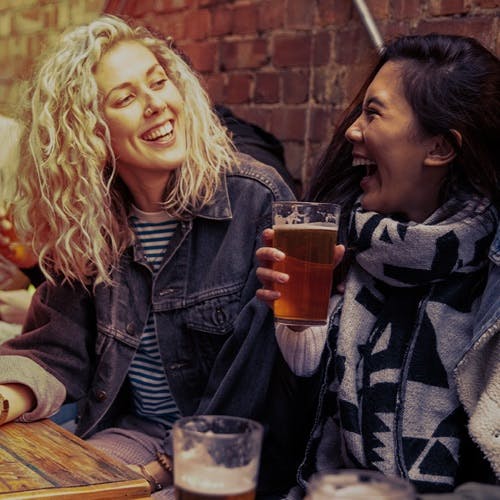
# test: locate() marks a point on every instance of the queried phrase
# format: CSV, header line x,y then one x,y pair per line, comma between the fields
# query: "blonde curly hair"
x,y
71,203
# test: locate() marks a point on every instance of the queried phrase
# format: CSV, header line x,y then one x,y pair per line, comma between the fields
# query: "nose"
x,y
153,104
354,133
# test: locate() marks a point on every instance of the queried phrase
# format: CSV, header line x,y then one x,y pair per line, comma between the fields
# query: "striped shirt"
x,y
151,393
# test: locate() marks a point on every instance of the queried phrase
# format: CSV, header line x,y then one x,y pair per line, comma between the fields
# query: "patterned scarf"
x,y
391,402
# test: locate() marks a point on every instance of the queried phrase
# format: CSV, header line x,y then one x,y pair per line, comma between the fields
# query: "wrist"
x,y
158,473
154,484
4,409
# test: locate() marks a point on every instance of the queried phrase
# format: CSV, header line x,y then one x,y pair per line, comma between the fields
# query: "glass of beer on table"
x,y
306,232
216,457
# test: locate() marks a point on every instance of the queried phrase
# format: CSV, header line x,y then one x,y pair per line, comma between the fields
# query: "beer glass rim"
x,y
308,203
404,485
252,425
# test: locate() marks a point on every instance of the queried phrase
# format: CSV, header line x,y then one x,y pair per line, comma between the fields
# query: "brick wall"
x,y
26,26
289,65
293,65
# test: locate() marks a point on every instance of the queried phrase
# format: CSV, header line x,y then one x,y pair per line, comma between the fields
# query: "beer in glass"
x,y
216,458
307,234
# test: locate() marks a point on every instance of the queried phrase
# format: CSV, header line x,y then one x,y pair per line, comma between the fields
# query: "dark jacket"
x,y
78,344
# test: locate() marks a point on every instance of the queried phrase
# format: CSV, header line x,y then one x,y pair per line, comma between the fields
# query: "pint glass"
x,y
306,233
216,458
351,484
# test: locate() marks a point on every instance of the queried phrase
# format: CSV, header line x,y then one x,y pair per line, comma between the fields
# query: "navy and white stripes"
x,y
151,392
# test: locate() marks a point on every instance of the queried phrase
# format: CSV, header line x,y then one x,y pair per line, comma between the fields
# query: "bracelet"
x,y
153,483
165,461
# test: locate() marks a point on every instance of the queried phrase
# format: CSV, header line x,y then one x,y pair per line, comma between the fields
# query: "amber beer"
x,y
309,252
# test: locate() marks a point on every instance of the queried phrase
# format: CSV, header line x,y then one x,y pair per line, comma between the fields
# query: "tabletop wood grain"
x,y
43,460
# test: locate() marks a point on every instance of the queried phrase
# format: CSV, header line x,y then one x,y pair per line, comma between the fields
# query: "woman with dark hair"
x,y
415,166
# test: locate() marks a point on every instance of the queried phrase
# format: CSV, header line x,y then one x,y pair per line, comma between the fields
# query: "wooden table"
x,y
43,460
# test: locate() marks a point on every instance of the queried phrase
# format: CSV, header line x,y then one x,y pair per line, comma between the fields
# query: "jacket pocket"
x,y
216,315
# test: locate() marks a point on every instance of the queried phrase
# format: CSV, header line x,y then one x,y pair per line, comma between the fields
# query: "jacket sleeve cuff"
x,y
49,392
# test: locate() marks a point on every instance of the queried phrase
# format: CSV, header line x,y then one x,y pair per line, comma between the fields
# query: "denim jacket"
x,y
78,343
478,372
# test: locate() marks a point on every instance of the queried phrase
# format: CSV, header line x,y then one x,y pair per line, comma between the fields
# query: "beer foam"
x,y
324,226
344,488
215,480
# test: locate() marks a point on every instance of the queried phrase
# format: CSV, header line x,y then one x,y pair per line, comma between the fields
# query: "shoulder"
x,y
250,171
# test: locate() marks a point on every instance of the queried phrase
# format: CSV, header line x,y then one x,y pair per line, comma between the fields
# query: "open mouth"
x,y
162,132
370,166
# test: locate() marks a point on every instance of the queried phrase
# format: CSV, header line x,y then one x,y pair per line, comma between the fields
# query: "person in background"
x,y
15,285
415,166
146,221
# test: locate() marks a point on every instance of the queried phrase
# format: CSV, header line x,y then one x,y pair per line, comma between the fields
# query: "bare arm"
x,y
21,399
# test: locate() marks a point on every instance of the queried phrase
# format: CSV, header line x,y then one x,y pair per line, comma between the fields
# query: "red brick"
x,y
243,54
238,89
404,9
222,21
173,25
334,12
299,14
351,44
137,9
214,85
353,79
207,3
487,4
198,24
321,124
292,50
379,9
295,87
289,123
259,116
271,14
202,55
167,6
245,19
481,28
448,7
111,7
322,48
395,29
267,88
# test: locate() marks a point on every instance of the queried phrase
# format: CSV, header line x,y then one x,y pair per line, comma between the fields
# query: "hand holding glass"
x,y
307,233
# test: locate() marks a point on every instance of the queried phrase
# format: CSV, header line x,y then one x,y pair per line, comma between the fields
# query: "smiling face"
x,y
143,110
388,143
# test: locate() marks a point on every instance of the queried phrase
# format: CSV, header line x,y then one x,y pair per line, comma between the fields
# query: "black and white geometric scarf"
x,y
390,401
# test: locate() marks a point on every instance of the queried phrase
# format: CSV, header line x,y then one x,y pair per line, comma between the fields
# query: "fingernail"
x,y
278,255
283,278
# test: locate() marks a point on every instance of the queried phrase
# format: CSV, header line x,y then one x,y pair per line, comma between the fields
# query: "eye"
x,y
370,112
159,83
124,100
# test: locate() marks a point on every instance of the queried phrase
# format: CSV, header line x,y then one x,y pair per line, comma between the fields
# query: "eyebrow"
x,y
124,85
375,100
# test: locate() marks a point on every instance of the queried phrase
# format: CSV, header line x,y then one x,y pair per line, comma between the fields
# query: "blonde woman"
x,y
146,222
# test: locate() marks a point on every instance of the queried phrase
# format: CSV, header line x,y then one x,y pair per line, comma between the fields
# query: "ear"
x,y
441,152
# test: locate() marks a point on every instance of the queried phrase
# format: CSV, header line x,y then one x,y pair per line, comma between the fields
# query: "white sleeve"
x,y
302,350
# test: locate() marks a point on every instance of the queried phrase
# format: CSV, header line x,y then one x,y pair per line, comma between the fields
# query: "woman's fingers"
x,y
338,254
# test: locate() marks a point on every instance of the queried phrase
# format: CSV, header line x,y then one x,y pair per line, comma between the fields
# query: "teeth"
x,y
158,132
356,162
